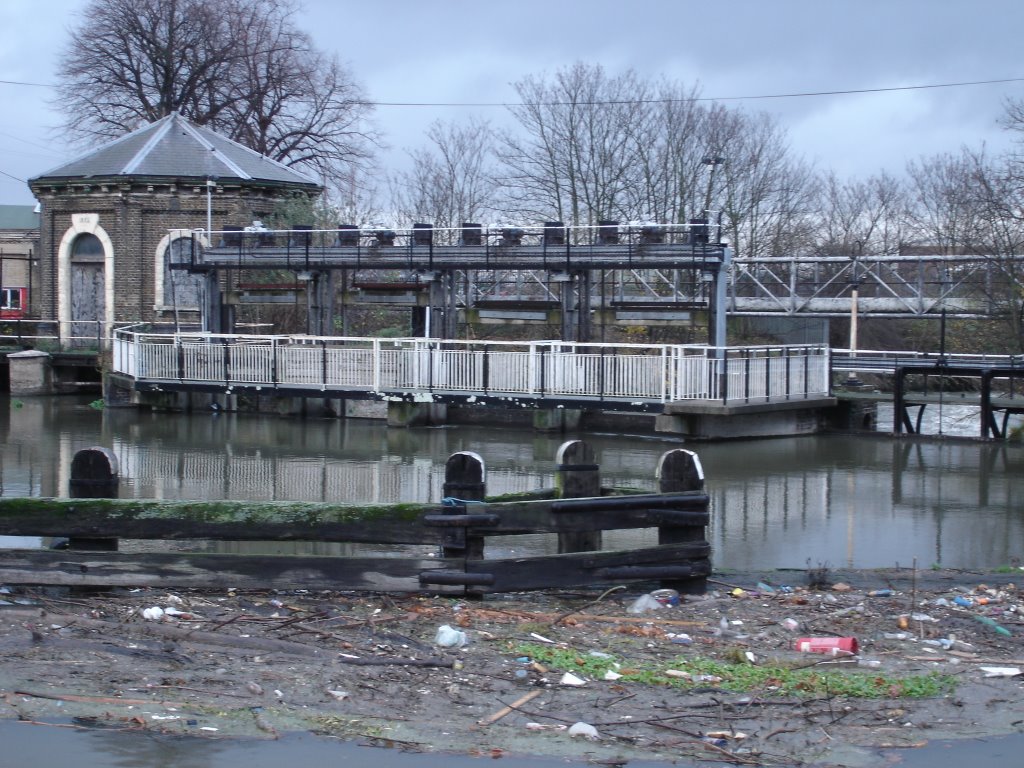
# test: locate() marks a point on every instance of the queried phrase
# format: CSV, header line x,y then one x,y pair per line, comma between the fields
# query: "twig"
x,y
178,633
732,756
510,708
726,584
98,699
375,661
78,727
674,729
202,691
913,587
221,624
600,597
298,620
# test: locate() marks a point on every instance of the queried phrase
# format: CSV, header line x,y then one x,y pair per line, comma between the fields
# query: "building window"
x,y
12,299
182,289
87,247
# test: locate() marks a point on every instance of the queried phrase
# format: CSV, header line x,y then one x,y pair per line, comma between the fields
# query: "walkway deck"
x,y
536,374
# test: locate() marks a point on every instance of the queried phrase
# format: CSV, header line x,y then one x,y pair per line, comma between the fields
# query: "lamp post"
x,y
712,161
210,184
855,281
944,288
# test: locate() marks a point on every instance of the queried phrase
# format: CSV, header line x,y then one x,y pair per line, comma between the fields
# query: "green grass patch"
x,y
1008,569
745,677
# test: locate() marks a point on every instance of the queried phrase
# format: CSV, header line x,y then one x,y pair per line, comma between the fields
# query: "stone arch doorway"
x,y
85,276
178,292
88,288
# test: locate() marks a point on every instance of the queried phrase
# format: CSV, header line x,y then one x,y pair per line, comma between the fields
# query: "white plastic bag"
x,y
644,604
447,637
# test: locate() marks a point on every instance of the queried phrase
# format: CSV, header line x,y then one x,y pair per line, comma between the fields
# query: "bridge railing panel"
x,y
157,361
508,371
350,367
252,364
649,373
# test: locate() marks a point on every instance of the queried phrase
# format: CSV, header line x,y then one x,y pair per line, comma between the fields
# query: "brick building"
x,y
19,242
108,221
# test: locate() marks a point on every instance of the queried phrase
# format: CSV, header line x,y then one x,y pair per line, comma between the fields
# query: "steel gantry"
x,y
609,273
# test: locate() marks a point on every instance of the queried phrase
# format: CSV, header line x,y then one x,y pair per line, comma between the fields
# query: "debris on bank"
x,y
757,670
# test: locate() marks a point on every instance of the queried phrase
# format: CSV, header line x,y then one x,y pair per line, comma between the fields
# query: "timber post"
x,y
578,476
465,480
94,475
680,470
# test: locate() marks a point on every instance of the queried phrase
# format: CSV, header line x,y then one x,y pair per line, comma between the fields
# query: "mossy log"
x,y
299,521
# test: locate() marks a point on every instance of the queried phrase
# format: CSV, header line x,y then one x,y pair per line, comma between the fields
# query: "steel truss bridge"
x,y
885,286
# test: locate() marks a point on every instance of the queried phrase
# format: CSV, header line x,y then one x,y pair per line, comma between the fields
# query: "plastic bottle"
x,y
835,646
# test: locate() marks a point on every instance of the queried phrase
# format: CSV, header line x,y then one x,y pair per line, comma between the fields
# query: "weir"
x,y
577,510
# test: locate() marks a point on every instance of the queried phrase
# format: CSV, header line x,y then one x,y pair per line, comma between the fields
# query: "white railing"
x,y
887,361
634,373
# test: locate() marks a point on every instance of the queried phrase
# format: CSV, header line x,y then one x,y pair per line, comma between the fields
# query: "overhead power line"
x,y
794,95
9,176
748,97
20,82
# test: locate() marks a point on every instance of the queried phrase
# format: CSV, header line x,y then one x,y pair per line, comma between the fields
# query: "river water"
x,y
838,500
843,501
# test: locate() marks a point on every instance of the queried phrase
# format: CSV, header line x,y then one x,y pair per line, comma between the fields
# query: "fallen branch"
x,y
380,661
179,633
99,699
510,708
548,618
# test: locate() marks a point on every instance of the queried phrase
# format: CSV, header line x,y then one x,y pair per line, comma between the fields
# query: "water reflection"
x,y
837,500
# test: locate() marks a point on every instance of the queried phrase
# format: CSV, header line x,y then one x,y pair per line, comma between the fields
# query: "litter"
x,y
834,646
999,628
447,637
1000,671
644,604
586,730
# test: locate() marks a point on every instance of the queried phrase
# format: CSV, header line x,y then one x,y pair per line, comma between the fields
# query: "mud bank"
x,y
716,678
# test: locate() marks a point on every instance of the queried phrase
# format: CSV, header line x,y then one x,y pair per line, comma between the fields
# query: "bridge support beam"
x,y
712,421
556,420
403,414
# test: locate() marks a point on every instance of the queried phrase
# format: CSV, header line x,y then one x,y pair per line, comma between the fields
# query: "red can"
x,y
834,646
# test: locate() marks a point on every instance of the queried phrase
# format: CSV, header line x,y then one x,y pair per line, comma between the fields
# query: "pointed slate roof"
x,y
174,147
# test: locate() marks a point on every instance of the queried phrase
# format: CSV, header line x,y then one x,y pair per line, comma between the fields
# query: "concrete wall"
x,y
30,373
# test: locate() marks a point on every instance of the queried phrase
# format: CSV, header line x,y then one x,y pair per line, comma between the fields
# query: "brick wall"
x,y
137,216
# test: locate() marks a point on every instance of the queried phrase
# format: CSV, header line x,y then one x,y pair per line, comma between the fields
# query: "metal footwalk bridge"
x,y
537,374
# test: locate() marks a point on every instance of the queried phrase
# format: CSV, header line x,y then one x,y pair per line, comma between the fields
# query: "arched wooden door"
x,y
88,288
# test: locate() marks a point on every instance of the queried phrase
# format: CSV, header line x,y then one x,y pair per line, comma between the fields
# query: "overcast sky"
x,y
457,51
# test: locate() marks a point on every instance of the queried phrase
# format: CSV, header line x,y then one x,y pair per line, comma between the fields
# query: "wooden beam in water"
x,y
216,571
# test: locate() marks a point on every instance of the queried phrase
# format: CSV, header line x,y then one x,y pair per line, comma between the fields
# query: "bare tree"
x,y
451,180
999,192
944,206
572,157
764,195
668,147
861,216
238,66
